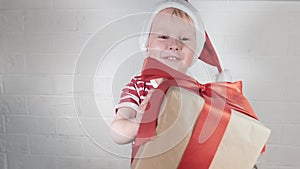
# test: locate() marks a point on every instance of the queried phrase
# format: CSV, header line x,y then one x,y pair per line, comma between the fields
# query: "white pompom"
x,y
224,76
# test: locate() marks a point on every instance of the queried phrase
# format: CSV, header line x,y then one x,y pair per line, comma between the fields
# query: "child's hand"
x,y
143,106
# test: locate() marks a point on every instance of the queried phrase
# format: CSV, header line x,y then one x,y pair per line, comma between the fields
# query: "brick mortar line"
x,y
1,85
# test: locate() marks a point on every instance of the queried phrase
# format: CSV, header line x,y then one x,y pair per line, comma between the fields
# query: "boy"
x,y
175,39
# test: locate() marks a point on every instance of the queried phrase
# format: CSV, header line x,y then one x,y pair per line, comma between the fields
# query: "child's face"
x,y
172,40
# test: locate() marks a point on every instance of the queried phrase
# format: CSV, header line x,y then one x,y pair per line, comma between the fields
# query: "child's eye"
x,y
163,37
184,39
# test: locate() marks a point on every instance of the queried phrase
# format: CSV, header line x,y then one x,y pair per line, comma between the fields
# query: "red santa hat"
x,y
204,48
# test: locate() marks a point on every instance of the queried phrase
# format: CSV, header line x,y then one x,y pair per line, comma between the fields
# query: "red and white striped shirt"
x,y
135,92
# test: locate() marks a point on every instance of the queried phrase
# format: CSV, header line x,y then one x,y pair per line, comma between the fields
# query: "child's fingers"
x,y
145,102
147,98
144,105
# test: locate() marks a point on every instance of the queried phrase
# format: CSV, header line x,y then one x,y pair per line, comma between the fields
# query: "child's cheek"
x,y
160,44
190,46
189,56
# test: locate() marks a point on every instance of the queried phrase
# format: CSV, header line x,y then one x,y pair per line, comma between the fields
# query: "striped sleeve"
x,y
134,93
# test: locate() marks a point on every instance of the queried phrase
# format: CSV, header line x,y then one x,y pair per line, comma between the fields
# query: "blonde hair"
x,y
180,13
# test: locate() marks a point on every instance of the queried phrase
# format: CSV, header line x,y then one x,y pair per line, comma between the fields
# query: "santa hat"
x,y
204,48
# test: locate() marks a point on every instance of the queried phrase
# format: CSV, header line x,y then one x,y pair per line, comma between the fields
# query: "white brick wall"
x,y
29,125
14,143
40,41
51,106
79,163
55,145
2,125
37,84
13,105
3,160
50,63
57,21
12,21
29,161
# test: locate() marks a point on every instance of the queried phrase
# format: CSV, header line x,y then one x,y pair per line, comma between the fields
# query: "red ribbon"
x,y
220,98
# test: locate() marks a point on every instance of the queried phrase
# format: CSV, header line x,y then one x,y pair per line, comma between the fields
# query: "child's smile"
x,y
171,56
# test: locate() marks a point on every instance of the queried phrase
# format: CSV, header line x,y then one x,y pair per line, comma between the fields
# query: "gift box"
x,y
180,112
193,125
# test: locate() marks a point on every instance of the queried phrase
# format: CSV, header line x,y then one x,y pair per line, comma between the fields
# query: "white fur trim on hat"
x,y
224,76
184,6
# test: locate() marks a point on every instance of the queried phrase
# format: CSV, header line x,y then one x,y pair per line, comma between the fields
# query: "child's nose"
x,y
174,44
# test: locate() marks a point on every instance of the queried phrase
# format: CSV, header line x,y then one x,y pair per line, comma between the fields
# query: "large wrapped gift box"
x,y
239,148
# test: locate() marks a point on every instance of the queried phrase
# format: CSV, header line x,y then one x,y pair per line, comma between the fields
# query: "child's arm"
x,y
124,126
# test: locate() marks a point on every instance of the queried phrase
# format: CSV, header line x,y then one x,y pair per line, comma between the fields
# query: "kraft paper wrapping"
x,y
178,114
240,146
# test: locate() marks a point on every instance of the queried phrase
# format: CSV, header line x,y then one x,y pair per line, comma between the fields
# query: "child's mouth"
x,y
171,58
